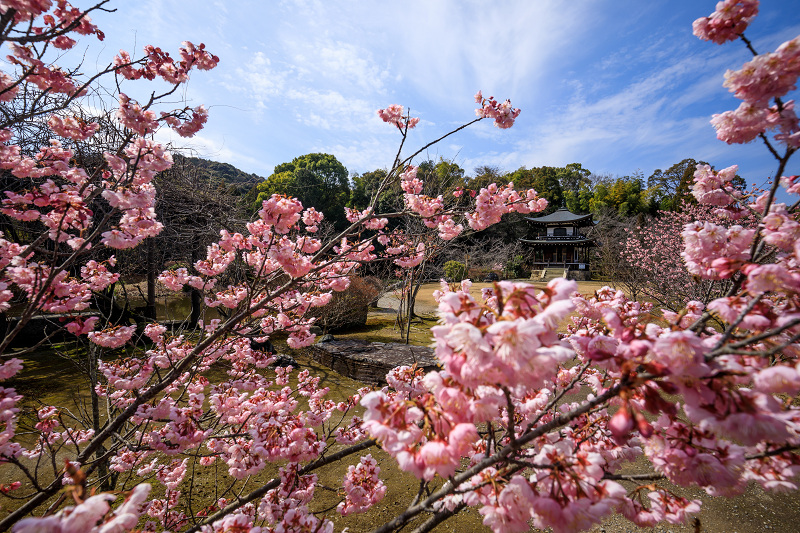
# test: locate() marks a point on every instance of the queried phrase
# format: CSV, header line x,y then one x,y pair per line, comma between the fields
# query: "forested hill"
x,y
226,172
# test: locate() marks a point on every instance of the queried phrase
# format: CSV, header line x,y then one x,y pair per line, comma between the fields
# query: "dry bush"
x,y
349,308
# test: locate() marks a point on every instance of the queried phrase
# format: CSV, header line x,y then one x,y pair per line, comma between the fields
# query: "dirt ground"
x,y
754,511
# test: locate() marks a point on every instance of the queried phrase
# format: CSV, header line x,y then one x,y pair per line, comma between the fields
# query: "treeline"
x,y
322,181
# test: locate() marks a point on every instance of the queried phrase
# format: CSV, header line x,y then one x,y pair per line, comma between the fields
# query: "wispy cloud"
x,y
616,85
258,80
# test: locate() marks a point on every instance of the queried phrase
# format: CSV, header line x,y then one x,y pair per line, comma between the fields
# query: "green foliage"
x,y
671,188
455,271
485,175
626,196
573,178
515,268
441,177
545,180
580,202
366,185
317,180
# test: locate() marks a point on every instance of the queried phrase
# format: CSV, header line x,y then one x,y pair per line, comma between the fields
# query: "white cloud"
x,y
615,85
330,110
362,155
258,80
339,63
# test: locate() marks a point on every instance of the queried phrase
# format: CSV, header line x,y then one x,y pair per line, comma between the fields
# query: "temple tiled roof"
x,y
563,216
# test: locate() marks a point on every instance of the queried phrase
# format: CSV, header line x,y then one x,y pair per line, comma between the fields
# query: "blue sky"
x,y
617,85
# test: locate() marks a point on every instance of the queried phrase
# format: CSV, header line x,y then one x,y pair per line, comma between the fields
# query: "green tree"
x,y
318,180
580,201
440,177
599,199
366,185
573,177
672,187
544,180
484,175
455,271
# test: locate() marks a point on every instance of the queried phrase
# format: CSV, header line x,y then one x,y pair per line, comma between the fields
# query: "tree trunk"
x,y
108,481
195,295
150,305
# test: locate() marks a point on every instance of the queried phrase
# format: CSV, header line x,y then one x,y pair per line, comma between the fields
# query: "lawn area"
x,y
381,322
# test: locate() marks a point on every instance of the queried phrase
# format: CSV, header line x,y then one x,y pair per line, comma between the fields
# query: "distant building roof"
x,y
563,216
559,241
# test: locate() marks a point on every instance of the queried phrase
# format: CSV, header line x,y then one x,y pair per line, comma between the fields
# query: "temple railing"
x,y
557,238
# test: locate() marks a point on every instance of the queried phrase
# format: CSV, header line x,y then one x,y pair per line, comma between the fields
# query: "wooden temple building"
x,y
557,244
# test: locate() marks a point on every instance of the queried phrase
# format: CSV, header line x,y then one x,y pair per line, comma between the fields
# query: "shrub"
x,y
478,273
455,271
515,268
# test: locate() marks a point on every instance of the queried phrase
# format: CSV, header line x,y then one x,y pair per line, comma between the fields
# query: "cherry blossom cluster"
x,y
287,506
729,21
132,116
370,222
544,399
503,114
654,253
39,74
491,203
8,411
158,63
494,201
363,488
394,115
711,250
94,515
709,452
72,127
190,126
765,78
51,207
503,364
738,430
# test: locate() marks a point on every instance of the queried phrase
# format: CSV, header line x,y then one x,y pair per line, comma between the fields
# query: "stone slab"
x,y
370,361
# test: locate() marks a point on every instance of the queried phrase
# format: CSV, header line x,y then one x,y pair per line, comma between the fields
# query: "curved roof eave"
x,y
562,216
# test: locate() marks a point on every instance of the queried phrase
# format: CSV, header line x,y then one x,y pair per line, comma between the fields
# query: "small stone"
x,y
285,360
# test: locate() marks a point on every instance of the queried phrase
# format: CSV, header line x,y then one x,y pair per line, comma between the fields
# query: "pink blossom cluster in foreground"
x,y
765,78
729,21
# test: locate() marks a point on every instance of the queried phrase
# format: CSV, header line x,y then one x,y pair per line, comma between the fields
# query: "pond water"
x,y
176,307
56,377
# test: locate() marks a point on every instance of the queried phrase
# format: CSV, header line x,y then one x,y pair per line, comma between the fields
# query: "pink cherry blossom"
x,y
112,338
503,114
729,20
